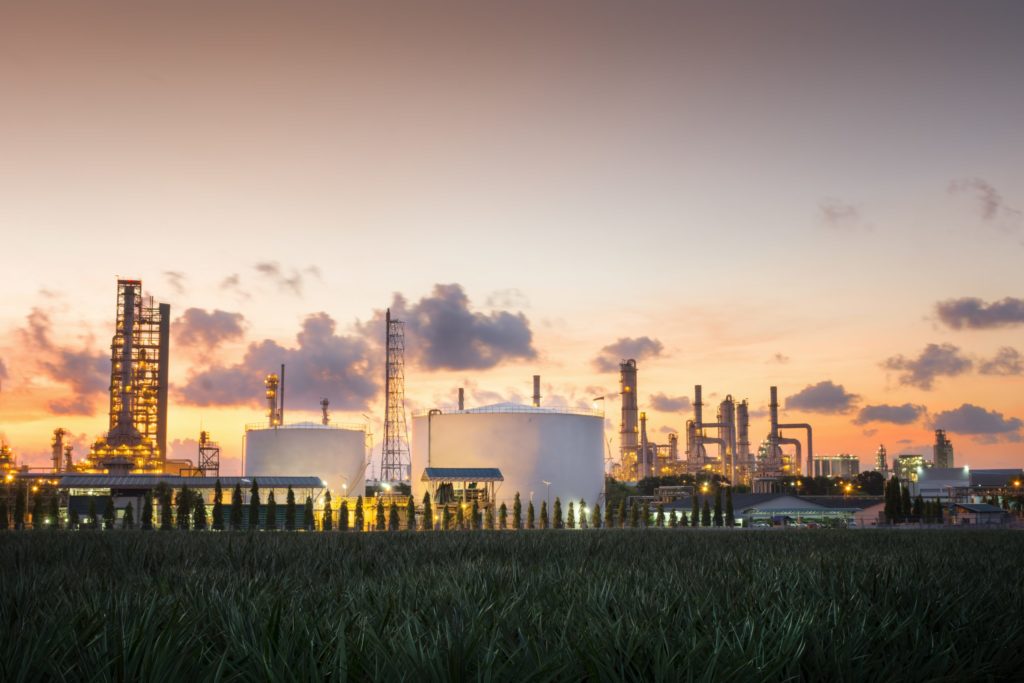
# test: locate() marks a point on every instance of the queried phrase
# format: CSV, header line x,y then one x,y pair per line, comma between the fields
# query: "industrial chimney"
x,y
536,391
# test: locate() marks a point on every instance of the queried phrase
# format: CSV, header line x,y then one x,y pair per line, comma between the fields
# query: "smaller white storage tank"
x,y
337,454
529,444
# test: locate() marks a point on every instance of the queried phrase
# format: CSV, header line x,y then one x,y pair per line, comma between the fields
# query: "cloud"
x,y
321,364
507,298
443,332
823,397
908,413
835,213
637,348
183,449
780,358
176,280
990,202
975,314
870,432
670,404
291,282
207,329
87,373
1008,361
935,360
976,421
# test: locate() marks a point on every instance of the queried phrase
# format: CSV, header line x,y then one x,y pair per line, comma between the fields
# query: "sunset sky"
x,y
823,196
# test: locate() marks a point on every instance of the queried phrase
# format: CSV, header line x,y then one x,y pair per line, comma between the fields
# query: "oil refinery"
x,y
486,455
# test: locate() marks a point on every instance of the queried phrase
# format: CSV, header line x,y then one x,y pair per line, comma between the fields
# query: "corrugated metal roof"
x,y
979,507
462,474
148,481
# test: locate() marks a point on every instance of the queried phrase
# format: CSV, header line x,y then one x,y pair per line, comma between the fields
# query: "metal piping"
x,y
794,442
536,391
280,397
810,442
646,465
775,439
124,417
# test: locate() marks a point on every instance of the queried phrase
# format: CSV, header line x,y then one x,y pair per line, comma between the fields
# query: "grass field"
x,y
530,606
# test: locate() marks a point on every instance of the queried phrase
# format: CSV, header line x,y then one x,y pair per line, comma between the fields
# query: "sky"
x,y
826,197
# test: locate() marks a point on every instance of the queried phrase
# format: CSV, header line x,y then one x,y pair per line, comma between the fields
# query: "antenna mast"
x,y
394,465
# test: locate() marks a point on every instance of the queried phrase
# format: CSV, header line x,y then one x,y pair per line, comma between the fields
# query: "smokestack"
x,y
698,406
536,391
774,411
280,396
326,419
462,399
628,429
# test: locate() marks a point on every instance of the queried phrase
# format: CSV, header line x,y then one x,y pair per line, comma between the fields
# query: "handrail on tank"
x,y
352,426
491,410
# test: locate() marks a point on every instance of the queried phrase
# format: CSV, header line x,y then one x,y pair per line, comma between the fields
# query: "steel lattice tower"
x,y
394,463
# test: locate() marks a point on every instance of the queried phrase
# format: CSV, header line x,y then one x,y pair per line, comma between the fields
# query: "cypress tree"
x,y
289,510
147,512
659,518
460,517
645,514
343,515
72,518
90,512
503,517
557,514
254,506
128,521
307,514
634,516
489,518
271,522
695,510
622,513
529,515
184,507
393,524
446,518
199,516
55,510
730,514
609,516
673,521
595,520
428,513
5,522
584,521
705,515
358,517
718,521
166,510
905,505
218,507
410,514
37,512
570,518
517,513
543,514
682,519
328,521
20,504
381,522
474,512
236,507
918,507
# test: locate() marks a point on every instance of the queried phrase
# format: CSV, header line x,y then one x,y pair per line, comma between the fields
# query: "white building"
x,y
336,454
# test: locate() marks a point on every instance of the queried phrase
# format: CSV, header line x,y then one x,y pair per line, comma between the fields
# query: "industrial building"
x,y
841,466
539,452
942,451
964,484
909,466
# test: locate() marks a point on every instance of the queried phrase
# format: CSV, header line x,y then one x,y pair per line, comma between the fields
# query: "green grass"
x,y
608,605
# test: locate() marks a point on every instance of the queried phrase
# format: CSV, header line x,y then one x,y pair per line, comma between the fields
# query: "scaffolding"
x,y
138,383
394,465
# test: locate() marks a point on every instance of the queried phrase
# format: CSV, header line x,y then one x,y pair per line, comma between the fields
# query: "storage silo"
x,y
529,444
337,454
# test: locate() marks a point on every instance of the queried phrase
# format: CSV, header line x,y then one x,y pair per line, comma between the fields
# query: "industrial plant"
x,y
489,457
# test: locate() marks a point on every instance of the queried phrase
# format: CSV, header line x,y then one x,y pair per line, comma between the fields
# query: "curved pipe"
x,y
795,442
810,443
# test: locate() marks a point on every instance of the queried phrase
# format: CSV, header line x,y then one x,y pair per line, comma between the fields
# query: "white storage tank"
x,y
336,454
530,445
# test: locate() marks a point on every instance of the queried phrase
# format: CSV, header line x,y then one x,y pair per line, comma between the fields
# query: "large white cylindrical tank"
x,y
335,454
529,445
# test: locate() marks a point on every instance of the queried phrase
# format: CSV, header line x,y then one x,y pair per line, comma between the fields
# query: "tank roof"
x,y
255,426
510,407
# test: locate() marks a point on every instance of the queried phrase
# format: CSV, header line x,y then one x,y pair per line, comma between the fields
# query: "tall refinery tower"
x,y
394,465
138,383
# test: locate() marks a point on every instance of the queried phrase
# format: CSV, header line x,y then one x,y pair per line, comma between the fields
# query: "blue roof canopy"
x,y
462,474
